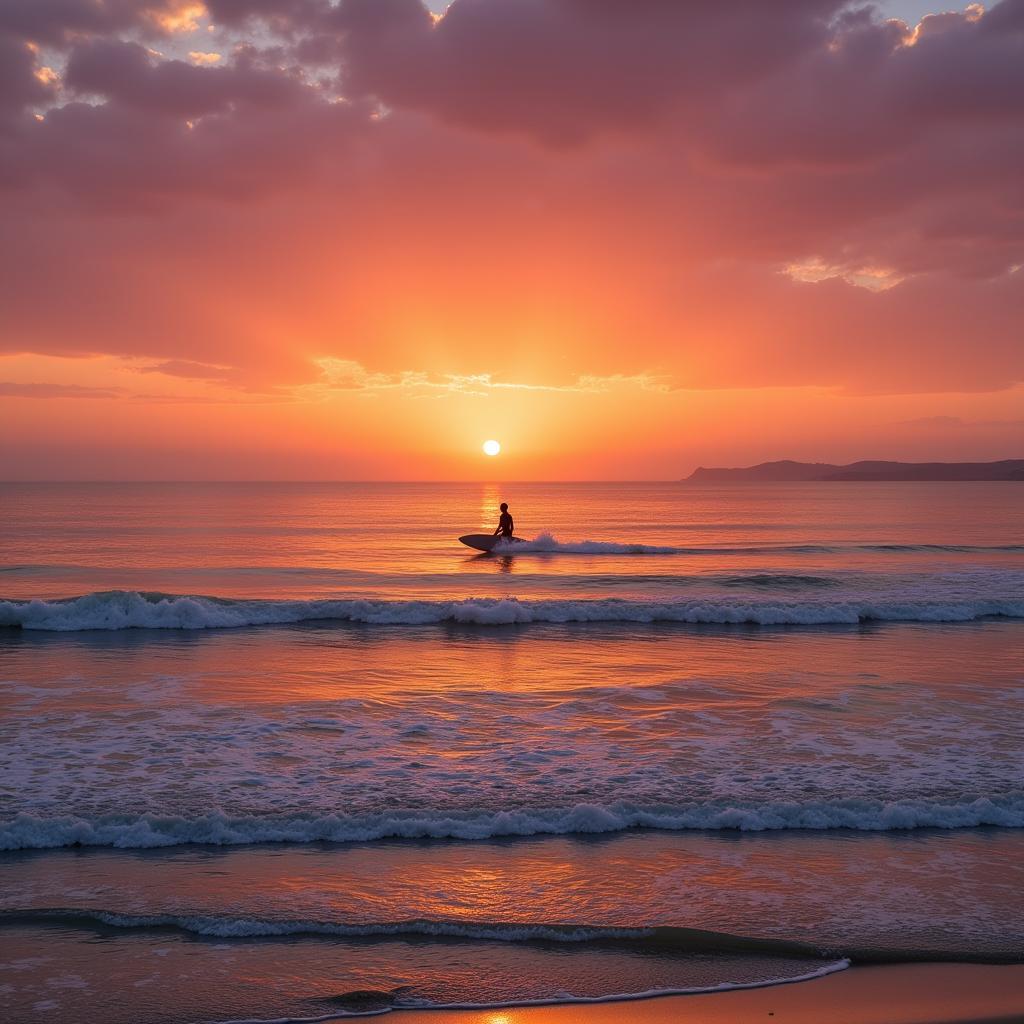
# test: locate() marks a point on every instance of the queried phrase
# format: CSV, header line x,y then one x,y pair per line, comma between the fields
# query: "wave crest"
x,y
27,832
112,610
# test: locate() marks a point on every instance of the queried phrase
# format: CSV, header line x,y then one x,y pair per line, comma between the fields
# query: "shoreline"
x,y
919,993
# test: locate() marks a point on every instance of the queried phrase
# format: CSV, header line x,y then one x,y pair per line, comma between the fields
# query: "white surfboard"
x,y
484,541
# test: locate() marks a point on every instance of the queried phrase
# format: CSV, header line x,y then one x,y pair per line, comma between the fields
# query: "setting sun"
x,y
491,448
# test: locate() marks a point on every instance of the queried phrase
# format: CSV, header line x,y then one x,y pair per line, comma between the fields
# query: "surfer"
x,y
505,523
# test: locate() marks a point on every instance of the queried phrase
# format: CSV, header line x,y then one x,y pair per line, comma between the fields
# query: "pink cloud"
x,y
126,74
9,389
56,21
20,84
562,70
631,179
190,370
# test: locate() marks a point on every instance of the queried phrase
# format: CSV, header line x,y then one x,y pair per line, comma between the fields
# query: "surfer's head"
x,y
503,506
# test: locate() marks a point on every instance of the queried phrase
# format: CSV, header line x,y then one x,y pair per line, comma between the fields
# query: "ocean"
x,y
290,752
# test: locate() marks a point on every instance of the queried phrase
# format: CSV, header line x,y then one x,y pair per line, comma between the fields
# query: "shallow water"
x,y
305,717
328,732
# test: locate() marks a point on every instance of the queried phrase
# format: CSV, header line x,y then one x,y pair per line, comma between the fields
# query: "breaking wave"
x,y
134,610
28,832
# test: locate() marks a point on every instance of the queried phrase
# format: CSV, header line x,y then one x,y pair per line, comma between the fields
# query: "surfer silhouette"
x,y
505,523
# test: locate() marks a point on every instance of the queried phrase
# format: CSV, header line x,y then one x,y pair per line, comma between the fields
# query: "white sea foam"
x,y
726,986
545,543
113,610
223,927
28,831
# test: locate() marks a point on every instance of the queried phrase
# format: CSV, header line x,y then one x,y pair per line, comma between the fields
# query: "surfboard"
x,y
482,541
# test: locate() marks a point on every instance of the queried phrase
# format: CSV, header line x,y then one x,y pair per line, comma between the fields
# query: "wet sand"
x,y
901,994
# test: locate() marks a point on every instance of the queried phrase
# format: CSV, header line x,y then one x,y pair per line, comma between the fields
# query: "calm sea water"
x,y
286,751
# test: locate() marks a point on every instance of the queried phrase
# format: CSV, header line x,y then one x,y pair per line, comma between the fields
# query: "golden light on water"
x,y
491,448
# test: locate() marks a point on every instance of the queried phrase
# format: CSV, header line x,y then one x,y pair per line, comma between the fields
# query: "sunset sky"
x,y
291,239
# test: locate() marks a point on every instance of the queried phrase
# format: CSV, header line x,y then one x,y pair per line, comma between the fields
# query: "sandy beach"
x,y
901,994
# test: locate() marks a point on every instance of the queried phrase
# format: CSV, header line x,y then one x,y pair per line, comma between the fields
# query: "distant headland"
x,y
787,470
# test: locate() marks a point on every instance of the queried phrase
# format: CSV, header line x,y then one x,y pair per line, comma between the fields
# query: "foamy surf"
x,y
112,610
563,1000
29,832
545,543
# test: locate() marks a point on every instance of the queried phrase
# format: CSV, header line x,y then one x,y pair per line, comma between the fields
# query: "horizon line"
x,y
268,480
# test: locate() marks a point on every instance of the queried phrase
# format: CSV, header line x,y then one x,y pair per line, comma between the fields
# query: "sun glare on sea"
x,y
491,447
